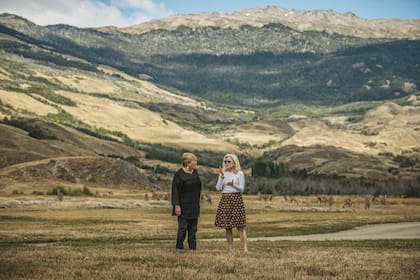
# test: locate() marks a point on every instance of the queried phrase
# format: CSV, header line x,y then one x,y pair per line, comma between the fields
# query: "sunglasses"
x,y
227,161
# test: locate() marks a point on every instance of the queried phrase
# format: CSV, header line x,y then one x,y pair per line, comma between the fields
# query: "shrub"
x,y
34,130
16,192
58,189
170,154
50,95
86,191
38,193
161,169
315,184
268,168
39,133
132,159
404,161
70,192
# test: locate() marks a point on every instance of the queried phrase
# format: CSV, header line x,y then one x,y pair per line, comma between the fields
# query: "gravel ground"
x,y
368,232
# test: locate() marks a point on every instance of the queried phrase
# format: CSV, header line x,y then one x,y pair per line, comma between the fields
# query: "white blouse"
x,y
238,182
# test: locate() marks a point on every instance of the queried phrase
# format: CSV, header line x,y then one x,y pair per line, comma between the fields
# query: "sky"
x,y
121,13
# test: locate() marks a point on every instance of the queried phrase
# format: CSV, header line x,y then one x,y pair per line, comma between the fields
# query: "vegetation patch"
x,y
170,154
47,93
34,130
70,191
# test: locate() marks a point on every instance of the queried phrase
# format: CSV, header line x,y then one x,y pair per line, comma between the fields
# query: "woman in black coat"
x,y
186,192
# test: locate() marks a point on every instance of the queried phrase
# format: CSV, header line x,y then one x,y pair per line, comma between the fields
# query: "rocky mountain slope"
x,y
318,20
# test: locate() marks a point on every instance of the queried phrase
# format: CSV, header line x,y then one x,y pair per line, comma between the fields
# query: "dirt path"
x,y
369,232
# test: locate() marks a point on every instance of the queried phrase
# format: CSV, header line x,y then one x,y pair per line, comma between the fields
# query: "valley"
x,y
97,107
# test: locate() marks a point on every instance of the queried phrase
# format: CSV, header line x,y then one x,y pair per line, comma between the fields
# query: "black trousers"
x,y
184,226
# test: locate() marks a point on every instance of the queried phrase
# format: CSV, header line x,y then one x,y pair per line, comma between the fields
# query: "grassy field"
x,y
129,238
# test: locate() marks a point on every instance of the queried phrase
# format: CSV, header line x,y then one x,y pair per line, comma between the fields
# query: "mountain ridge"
x,y
318,20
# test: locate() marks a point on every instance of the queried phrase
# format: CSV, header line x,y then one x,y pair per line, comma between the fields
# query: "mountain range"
x,y
324,93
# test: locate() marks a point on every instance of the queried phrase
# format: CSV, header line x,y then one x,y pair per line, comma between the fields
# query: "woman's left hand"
x,y
230,183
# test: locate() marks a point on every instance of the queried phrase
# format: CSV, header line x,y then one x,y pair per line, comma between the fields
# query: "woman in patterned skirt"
x,y
231,209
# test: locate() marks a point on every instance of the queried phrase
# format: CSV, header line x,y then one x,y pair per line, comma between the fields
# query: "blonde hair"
x,y
236,162
187,158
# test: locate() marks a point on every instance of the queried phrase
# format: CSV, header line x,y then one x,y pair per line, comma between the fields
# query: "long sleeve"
x,y
176,184
241,182
219,184
186,189
238,180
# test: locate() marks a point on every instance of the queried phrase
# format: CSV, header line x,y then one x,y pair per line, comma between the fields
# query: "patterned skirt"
x,y
231,211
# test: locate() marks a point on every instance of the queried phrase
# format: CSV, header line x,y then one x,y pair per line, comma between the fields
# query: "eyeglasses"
x,y
227,161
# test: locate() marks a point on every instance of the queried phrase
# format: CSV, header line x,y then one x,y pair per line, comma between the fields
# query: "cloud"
x,y
146,5
86,13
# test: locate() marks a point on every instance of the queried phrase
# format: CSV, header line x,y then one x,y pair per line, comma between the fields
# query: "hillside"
x,y
229,61
62,154
115,108
99,100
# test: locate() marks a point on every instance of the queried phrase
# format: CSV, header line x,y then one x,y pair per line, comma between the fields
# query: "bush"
x,y
50,95
16,192
70,192
58,189
404,161
413,189
158,169
267,168
169,154
34,130
311,184
132,159
86,191
39,133
38,193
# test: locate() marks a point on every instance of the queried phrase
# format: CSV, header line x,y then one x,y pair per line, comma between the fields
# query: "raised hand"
x,y
222,174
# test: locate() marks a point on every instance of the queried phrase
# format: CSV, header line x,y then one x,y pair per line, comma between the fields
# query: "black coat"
x,y
186,192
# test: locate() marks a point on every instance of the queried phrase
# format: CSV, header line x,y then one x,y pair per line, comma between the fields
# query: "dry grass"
x,y
382,125
139,123
267,260
258,133
80,241
126,216
23,101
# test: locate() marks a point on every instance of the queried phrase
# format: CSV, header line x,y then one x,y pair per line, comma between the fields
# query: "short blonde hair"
x,y
235,159
187,158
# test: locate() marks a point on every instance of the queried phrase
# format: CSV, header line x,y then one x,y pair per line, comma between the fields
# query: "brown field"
x,y
122,236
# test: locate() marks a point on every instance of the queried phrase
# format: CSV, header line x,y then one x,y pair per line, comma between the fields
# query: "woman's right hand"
x,y
222,174
177,210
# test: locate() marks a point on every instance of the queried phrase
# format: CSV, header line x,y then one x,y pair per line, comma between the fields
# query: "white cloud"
x,y
146,5
86,13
